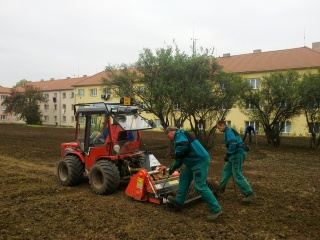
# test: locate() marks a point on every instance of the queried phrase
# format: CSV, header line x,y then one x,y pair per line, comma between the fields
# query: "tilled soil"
x,y
34,206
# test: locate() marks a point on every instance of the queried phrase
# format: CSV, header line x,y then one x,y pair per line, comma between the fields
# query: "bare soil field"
x,y
34,206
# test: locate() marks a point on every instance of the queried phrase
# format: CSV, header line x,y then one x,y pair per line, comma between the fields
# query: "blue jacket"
x,y
188,150
233,141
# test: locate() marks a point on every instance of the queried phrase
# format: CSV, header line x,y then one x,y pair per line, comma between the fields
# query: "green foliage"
x,y
25,104
21,83
311,103
277,101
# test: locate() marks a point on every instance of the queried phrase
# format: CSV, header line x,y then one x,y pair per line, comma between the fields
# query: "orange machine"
x,y
153,186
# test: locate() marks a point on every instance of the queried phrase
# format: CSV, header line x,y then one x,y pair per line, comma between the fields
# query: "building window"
x,y
250,106
254,82
286,127
178,123
3,117
3,97
141,89
46,96
283,104
255,125
3,107
158,123
55,95
93,121
71,95
107,91
46,118
72,119
55,118
176,106
228,123
81,120
81,92
64,95
225,106
64,119
93,92
46,107
55,107
201,125
314,127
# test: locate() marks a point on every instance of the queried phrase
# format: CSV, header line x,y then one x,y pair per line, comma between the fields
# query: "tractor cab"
x,y
109,126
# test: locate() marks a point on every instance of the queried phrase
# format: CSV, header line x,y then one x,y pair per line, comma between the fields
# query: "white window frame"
x,y
81,92
254,82
141,89
158,123
93,92
176,106
287,126
250,106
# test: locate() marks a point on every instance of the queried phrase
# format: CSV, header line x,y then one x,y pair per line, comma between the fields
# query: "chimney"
x,y
226,55
257,51
316,46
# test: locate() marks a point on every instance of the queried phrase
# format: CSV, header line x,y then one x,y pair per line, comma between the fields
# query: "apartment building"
x,y
60,99
5,117
254,66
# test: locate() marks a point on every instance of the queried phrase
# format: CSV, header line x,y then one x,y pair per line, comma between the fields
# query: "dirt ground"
x,y
34,206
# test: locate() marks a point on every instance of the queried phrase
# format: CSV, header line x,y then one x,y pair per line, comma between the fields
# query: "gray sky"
x,y
43,39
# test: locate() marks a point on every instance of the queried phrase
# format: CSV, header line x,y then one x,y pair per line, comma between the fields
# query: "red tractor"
x,y
106,147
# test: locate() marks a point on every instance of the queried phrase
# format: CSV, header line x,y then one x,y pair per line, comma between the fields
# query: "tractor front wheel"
x,y
104,177
70,171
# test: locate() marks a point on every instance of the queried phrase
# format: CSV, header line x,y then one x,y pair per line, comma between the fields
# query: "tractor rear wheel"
x,y
70,171
104,177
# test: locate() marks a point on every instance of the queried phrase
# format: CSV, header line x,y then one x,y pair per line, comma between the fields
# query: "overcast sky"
x,y
43,39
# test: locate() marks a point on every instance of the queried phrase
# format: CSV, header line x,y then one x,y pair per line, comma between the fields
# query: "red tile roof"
x,y
52,85
296,58
5,90
93,80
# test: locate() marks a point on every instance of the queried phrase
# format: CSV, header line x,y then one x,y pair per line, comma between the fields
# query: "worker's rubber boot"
x,y
249,198
214,216
177,206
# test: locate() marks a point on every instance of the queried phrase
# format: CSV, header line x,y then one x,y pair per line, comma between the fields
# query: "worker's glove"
x,y
226,158
171,170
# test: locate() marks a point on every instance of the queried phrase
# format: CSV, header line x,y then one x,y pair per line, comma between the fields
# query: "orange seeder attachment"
x,y
152,186
137,186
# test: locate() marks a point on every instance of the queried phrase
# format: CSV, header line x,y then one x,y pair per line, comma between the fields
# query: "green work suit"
x,y
190,152
233,166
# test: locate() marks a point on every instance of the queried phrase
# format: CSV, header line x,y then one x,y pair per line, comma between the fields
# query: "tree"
x,y
277,102
25,104
151,80
311,105
207,95
21,83
176,87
